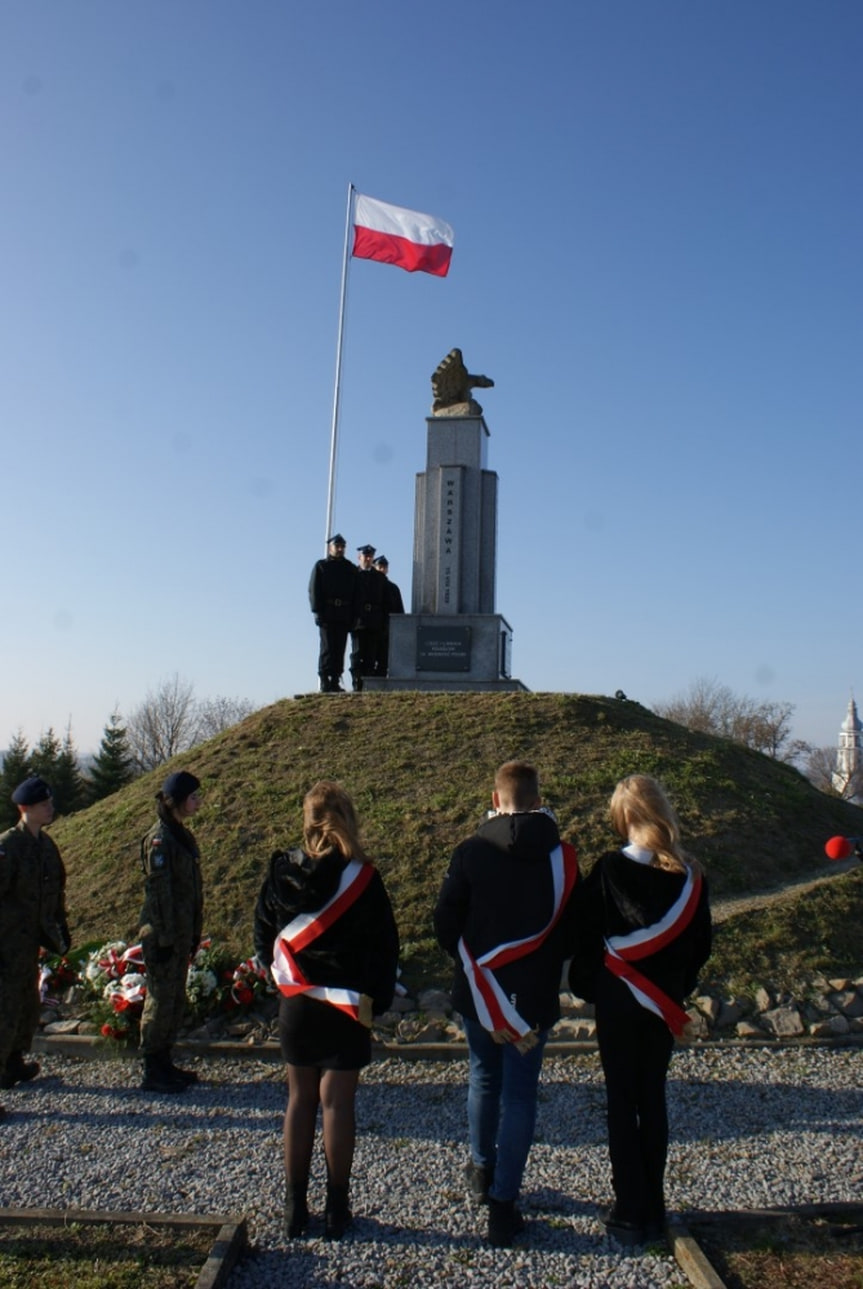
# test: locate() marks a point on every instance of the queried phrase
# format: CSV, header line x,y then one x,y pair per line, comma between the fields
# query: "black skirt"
x,y
318,1034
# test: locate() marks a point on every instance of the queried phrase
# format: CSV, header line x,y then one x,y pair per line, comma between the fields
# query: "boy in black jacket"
x,y
505,915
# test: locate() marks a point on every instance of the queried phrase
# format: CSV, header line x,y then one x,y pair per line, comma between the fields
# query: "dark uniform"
x,y
393,603
32,914
171,922
369,623
331,596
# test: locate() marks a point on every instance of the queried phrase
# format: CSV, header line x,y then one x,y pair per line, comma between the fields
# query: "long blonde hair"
x,y
330,822
641,812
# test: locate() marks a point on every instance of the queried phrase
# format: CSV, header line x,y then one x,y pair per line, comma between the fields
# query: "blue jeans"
x,y
501,1106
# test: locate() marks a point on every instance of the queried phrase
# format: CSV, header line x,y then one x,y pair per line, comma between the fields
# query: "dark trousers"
x,y
331,658
635,1048
365,645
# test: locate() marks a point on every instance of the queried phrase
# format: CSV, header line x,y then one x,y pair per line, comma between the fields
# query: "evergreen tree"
x,y
70,792
43,758
112,766
16,768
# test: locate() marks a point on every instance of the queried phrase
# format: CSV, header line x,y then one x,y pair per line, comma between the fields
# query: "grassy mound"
x,y
420,769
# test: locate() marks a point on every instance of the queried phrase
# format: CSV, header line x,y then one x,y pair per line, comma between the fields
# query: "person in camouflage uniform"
x,y
32,914
171,921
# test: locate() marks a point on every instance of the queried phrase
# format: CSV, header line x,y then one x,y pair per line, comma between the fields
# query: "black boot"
x,y
478,1181
18,1070
337,1215
188,1076
296,1210
158,1076
504,1222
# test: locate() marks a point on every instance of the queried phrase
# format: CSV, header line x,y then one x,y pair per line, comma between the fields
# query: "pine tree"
x,y
16,768
70,792
43,758
112,766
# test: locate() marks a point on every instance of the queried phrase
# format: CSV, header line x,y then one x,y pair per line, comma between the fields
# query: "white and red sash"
x,y
622,950
305,928
494,1010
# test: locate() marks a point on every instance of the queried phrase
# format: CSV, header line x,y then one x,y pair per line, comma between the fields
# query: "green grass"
x,y
420,769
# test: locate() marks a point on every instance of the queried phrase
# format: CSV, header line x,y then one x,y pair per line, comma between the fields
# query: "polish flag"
x,y
406,238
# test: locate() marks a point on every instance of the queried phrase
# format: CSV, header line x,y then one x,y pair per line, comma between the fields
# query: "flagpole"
x,y
334,435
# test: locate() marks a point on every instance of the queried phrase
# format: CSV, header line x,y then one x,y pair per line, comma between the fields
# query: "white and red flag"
x,y
406,238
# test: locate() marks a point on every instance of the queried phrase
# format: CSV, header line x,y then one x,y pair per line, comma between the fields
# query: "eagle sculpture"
x,y
452,385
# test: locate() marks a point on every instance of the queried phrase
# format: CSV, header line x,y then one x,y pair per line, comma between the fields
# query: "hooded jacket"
x,y
499,888
359,951
620,895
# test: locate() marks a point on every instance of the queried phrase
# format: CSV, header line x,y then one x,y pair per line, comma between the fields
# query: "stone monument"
x,y
453,639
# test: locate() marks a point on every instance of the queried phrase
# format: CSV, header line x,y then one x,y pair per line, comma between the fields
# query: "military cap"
x,y
179,785
31,792
366,550
336,540
382,559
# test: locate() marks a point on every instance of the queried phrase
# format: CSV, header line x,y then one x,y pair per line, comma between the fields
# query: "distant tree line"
x,y
709,707
169,720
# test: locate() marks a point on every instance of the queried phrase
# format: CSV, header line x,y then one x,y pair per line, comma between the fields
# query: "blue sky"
x,y
657,210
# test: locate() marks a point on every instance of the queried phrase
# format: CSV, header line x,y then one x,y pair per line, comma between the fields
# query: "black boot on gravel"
x,y
158,1076
337,1216
18,1070
296,1210
504,1222
478,1181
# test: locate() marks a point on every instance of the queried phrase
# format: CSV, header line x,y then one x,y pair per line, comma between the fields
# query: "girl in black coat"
x,y
644,934
325,927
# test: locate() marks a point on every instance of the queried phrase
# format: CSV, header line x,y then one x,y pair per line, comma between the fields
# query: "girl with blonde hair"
x,y
644,933
325,928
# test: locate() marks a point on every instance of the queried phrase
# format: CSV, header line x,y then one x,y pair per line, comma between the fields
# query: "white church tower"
x,y
849,757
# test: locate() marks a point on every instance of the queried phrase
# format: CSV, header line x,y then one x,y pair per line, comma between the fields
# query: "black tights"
x,y
335,1092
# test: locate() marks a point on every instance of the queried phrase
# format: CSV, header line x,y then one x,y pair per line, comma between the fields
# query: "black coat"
x,y
332,588
499,888
620,895
370,600
359,951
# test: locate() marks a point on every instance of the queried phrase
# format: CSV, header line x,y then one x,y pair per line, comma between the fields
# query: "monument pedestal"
x,y
434,651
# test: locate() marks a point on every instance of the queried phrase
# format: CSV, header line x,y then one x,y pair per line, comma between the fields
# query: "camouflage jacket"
x,y
32,893
173,895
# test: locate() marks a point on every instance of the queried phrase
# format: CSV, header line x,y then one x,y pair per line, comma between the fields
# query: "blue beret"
x,y
180,785
31,792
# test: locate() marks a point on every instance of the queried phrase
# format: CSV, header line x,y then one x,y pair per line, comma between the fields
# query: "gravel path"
x,y
748,1127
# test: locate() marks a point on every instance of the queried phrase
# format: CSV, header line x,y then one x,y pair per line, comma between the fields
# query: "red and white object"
x,y
406,238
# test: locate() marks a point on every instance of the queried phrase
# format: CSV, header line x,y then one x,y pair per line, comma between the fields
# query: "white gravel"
x,y
748,1127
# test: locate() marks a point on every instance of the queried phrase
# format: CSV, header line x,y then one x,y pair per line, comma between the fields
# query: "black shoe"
x,y
337,1215
18,1070
187,1076
296,1210
621,1229
478,1181
505,1222
158,1077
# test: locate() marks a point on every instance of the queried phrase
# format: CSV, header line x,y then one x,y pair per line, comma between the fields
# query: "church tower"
x,y
849,757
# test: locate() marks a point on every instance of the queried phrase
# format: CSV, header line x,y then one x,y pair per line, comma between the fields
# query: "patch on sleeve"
x,y
157,859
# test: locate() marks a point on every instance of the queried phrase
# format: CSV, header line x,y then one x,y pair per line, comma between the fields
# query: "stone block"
x,y
784,1022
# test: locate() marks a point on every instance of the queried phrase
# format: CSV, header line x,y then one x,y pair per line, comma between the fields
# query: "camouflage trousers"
x,y
165,1004
19,1004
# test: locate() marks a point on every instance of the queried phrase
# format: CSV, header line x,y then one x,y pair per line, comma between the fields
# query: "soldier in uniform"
x,y
331,596
393,603
32,913
171,921
369,617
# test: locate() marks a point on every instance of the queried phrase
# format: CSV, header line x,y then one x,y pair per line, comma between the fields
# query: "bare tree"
x,y
821,770
220,713
166,723
711,708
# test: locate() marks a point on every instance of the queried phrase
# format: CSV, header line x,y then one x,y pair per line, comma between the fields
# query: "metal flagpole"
x,y
337,392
